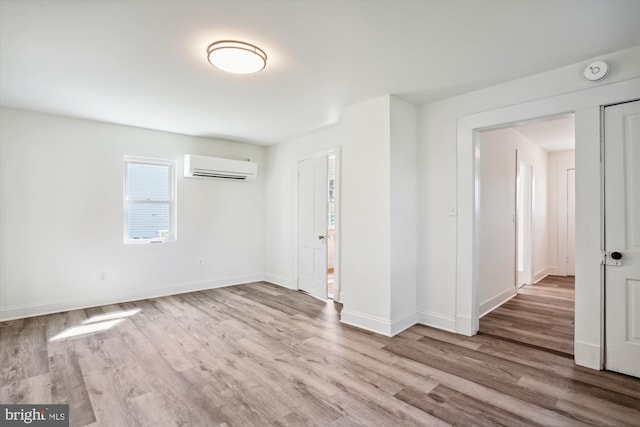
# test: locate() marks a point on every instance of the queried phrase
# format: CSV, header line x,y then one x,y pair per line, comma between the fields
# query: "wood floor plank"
x,y
560,367
571,396
36,388
541,315
366,390
208,307
498,377
479,391
461,409
163,413
261,355
68,386
25,354
109,398
543,339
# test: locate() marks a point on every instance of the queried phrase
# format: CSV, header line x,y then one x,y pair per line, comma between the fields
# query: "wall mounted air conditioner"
x,y
217,168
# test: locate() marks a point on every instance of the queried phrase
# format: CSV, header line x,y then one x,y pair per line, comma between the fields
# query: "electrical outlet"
x,y
200,263
102,276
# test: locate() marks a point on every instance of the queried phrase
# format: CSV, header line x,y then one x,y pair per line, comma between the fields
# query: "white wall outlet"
x,y
453,210
102,276
200,263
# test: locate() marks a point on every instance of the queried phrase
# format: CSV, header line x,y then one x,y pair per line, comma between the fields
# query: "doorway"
x,y
589,288
318,224
523,208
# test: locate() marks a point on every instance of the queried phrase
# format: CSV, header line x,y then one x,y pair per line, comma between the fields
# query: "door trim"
x,y
336,267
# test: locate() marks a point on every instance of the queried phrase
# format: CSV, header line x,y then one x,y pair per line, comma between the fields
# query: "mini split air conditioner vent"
x,y
217,168
206,174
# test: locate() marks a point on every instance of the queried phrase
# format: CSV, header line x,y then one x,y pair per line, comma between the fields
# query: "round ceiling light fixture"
x,y
236,57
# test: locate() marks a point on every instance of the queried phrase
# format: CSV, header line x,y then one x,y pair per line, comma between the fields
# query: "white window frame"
x,y
172,235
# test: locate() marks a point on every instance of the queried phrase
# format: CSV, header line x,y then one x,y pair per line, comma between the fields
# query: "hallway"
x,y
540,316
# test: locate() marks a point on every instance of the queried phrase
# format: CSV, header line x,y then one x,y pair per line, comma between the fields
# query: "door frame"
x,y
585,104
337,285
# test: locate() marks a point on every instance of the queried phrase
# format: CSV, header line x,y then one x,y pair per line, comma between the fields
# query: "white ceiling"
x,y
142,62
554,134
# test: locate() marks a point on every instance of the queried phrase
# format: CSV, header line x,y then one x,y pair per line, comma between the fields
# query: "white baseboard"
x,y
48,307
466,326
587,355
495,302
438,321
285,282
543,273
364,321
404,322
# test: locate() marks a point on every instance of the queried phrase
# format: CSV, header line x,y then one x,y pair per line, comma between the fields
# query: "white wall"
x,y
365,215
377,146
280,202
404,126
437,172
363,138
559,163
495,226
446,167
61,216
436,273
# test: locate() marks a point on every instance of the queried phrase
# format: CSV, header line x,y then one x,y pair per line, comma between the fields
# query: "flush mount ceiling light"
x,y
236,57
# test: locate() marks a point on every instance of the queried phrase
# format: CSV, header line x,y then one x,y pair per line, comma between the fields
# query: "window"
x,y
331,221
331,196
149,200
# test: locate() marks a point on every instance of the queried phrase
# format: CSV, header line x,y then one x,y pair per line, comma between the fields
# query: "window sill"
x,y
145,241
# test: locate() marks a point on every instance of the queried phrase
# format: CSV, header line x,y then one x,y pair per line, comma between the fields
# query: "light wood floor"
x,y
541,315
260,355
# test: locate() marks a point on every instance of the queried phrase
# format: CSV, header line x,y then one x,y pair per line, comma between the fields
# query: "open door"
x,y
622,237
312,226
571,222
524,208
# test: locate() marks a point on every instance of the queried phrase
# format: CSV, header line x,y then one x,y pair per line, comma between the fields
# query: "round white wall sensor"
x,y
596,71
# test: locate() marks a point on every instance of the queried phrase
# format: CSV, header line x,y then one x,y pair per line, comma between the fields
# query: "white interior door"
x,y
524,223
571,222
622,237
312,226
496,220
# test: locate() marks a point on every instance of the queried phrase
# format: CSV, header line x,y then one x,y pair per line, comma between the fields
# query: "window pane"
x,y
148,220
147,182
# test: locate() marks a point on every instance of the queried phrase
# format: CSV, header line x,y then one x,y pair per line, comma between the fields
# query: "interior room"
x,y
250,213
